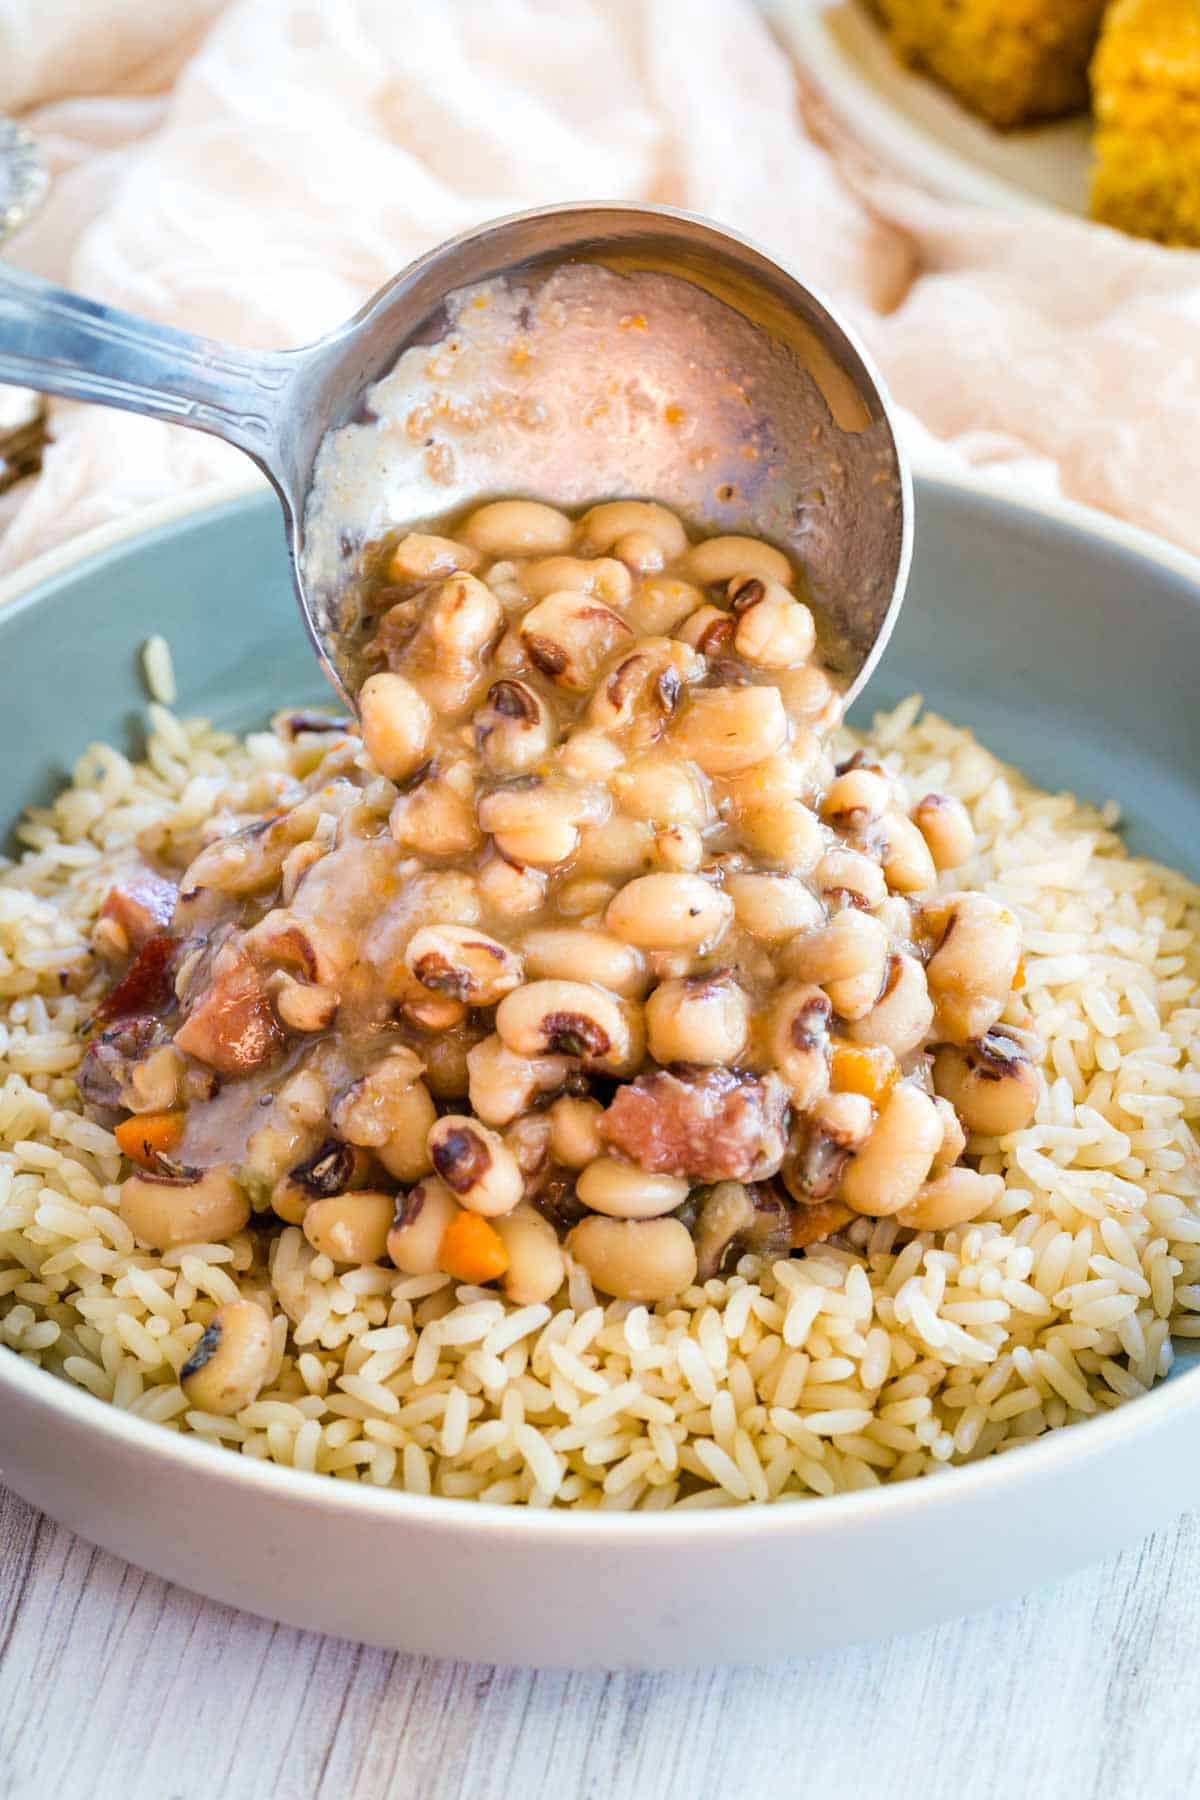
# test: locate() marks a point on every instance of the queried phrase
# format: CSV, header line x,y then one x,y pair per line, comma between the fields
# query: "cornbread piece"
x,y
1011,61
1147,102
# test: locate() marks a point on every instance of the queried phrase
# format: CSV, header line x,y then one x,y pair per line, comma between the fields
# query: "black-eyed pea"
x,y
887,1173
420,1005
536,1267
798,1041
590,755
434,813
197,1206
509,888
616,849
848,878
422,556
575,1139
678,847
529,1140
773,907
945,824
734,1218
787,774
351,1227
852,943
854,996
533,821
463,617
699,1019
296,865
723,558
567,636
669,912
725,729
396,723
895,914
514,729
640,690
154,1083
662,603
993,1085
476,1165
447,896
773,630
447,1074
228,1364
419,1224
810,697
504,579
621,1190
908,868
604,528
302,1006
954,1138
463,962
641,553
565,1018
785,833
503,1084
584,898
603,576
826,1137
583,953
360,1111
518,528
903,1014
635,1259
332,1168
856,800
709,631
662,789
953,1197
971,973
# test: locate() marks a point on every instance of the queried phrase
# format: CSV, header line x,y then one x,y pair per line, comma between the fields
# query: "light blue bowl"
x,y
1072,647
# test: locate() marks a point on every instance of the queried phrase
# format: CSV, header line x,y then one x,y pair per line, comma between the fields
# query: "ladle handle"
x,y
60,343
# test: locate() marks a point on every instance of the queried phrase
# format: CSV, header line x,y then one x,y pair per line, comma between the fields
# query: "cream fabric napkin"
x,y
254,169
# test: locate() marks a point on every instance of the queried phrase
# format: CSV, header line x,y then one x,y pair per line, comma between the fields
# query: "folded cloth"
x,y
256,170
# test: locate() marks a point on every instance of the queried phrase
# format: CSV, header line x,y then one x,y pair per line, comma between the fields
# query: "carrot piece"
x,y
868,1069
1019,977
471,1250
146,1135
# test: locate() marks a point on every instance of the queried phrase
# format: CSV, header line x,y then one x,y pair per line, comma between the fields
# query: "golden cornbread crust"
x,y
1012,61
1146,78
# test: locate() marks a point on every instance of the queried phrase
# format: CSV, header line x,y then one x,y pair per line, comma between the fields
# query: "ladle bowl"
x,y
570,354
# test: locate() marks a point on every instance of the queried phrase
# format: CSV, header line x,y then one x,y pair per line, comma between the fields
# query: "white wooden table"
x,y
114,1684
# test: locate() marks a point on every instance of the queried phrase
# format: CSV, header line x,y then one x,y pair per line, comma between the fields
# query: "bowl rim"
x,y
1045,1459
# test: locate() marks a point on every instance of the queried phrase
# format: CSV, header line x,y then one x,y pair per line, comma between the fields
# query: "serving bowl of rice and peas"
x,y
596,1080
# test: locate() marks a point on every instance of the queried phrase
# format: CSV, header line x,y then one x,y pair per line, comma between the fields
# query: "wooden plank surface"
x,y
114,1684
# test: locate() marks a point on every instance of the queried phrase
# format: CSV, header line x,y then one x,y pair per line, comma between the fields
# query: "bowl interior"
x,y
1068,651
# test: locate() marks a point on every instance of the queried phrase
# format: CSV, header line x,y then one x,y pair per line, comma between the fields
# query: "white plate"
x,y
914,126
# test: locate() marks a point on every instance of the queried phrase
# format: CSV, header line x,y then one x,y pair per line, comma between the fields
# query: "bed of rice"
x,y
855,1365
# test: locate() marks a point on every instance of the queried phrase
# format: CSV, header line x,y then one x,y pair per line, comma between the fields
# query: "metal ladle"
x,y
570,354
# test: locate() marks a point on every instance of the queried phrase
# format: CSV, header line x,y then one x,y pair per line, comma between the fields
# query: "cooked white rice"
x,y
850,1367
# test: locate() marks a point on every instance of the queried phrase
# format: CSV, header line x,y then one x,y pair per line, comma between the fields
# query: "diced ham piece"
x,y
147,985
142,906
707,1124
231,1026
